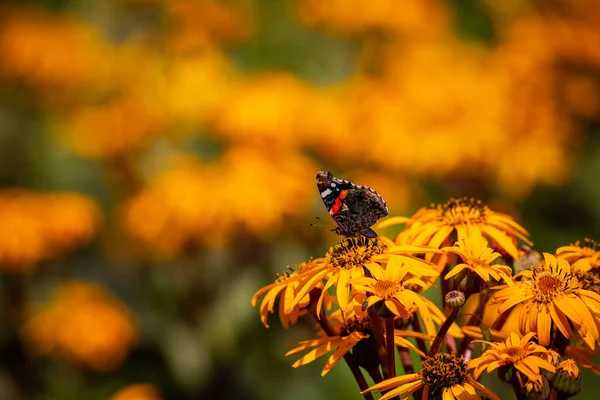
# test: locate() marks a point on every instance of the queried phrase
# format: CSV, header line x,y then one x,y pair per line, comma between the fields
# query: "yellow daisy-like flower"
x,y
434,226
582,256
284,287
351,328
349,260
389,286
442,376
526,356
477,257
551,293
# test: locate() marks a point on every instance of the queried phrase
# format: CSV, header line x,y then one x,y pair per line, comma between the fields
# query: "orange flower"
x,y
463,218
526,356
477,258
49,51
110,129
192,204
285,287
85,324
553,297
443,376
582,256
36,226
137,391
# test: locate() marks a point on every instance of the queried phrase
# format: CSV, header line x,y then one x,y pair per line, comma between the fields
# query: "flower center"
x,y
476,262
516,353
460,211
546,285
386,289
443,371
353,252
588,281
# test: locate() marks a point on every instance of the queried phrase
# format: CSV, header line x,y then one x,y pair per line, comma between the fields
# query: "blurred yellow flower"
x,y
137,391
48,51
35,226
192,204
85,324
266,110
197,86
414,17
198,24
70,219
110,129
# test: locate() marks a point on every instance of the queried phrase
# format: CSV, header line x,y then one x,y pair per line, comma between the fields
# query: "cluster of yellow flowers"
x,y
83,323
368,297
36,226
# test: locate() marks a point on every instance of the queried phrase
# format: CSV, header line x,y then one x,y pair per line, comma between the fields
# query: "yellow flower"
x,y
84,323
551,293
477,257
266,110
583,256
192,204
36,226
525,355
463,218
49,51
186,98
389,286
285,287
70,219
137,391
350,259
110,129
351,329
416,17
443,376
203,24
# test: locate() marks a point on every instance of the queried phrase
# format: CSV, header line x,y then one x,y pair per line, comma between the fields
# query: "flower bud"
x,y
567,380
455,299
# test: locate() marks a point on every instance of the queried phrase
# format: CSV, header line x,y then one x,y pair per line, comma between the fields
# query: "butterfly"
x,y
354,208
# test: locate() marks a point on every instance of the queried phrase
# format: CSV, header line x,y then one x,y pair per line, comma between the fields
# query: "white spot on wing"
x,y
325,193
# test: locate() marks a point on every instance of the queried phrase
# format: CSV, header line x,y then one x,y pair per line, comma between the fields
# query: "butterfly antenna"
x,y
325,223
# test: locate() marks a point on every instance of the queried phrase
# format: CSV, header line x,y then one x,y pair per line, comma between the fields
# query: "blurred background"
x,y
158,161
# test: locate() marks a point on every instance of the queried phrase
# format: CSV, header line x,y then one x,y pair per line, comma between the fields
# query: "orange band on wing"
x,y
338,202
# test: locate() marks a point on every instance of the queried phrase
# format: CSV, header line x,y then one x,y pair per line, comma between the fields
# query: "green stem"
x,y
437,342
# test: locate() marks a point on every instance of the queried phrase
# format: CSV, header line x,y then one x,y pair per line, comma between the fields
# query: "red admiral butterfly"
x,y
353,208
